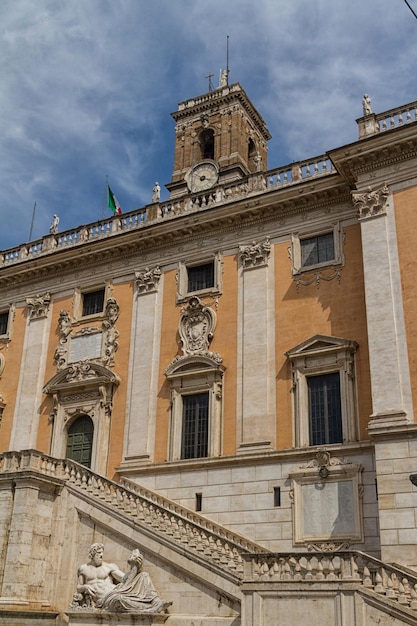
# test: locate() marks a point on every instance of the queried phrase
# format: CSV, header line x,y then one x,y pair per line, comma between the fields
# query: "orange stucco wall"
x,y
405,203
332,309
224,342
335,309
9,380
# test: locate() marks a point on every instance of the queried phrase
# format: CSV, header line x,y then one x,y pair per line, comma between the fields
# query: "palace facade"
x,y
225,380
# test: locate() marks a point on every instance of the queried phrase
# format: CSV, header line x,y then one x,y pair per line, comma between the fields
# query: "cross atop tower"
x,y
210,85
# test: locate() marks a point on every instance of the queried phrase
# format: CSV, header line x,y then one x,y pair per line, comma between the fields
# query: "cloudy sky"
x,y
87,88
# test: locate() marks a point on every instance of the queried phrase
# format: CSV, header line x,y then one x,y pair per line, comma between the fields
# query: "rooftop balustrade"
x,y
252,185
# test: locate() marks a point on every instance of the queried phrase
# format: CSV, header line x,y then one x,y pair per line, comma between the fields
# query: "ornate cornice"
x,y
372,203
375,153
38,306
255,254
325,194
148,280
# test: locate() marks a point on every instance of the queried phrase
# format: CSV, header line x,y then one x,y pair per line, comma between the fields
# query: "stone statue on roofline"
x,y
156,192
366,104
53,229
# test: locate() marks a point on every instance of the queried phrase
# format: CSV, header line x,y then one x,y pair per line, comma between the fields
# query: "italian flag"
x,y
112,202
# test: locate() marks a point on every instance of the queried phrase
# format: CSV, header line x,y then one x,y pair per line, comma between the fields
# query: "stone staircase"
x,y
387,592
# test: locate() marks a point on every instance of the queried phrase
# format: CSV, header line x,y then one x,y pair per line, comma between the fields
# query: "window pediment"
x,y
193,365
81,374
321,344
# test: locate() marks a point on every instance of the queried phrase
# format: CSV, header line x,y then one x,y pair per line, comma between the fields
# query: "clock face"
x,y
203,176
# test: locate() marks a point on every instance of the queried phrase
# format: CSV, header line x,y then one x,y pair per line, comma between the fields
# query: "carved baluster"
x,y
211,549
175,527
218,550
319,571
223,556
402,597
331,575
131,507
232,559
185,532
287,571
265,568
108,493
407,589
298,575
400,119
151,517
355,569
90,483
77,477
379,588
84,480
390,593
367,581
413,597
392,122
309,570
276,569
167,524
238,562
200,540
72,474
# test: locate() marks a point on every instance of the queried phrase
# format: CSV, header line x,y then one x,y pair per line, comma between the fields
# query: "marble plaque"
x,y
328,509
85,347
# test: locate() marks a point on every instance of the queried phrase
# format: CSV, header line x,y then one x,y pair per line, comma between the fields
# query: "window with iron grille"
x,y
4,322
325,411
93,302
316,250
200,277
195,416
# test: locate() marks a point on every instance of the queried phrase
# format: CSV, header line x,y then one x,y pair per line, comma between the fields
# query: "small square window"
x,y
200,277
311,250
4,322
93,302
316,250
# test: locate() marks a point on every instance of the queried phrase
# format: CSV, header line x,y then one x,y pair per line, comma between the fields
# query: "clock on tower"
x,y
220,138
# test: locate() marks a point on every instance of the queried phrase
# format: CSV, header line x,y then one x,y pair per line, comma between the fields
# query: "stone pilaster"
x,y
143,368
391,389
32,370
256,399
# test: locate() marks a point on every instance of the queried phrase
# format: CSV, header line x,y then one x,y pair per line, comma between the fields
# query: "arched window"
x,y
207,144
252,155
80,440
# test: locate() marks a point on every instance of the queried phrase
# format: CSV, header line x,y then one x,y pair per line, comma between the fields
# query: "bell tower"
x,y
220,138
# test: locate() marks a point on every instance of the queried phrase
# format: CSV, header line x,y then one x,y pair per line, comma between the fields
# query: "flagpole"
x,y
33,220
106,188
